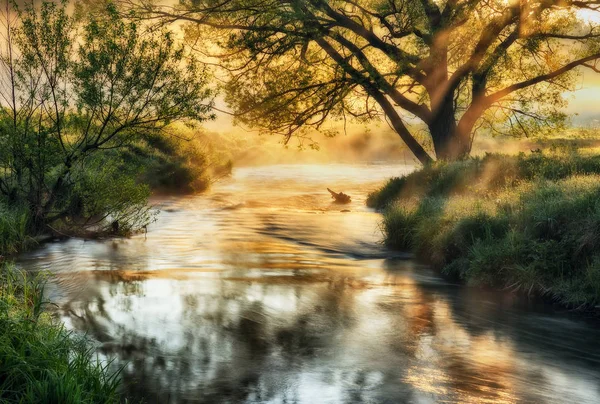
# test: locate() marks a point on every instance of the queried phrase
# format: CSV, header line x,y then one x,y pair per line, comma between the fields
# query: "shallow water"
x,y
263,291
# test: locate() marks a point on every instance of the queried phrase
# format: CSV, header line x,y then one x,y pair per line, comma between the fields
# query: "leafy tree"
x,y
455,66
73,86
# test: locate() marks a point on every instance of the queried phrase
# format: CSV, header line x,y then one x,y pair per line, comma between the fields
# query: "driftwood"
x,y
340,197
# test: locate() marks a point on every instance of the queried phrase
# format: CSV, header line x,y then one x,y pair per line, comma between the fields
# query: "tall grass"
x,y
14,230
40,362
528,223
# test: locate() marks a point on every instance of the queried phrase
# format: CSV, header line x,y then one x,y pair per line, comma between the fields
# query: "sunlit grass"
x,y
528,223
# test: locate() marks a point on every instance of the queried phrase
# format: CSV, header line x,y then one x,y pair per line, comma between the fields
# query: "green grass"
x,y
14,230
526,223
41,362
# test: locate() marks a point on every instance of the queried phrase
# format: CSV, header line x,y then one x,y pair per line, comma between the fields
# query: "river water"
x,y
264,291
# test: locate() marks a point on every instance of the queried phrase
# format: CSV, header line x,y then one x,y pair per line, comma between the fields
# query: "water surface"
x,y
264,291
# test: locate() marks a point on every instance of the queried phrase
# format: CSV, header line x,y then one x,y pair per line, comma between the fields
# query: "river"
x,y
264,291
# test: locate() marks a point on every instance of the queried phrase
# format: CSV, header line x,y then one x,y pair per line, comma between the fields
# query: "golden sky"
x,y
586,100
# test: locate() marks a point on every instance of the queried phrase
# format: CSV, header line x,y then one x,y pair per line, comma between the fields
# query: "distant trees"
x,y
74,86
453,66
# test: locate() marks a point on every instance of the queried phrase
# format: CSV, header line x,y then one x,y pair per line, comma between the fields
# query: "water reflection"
x,y
265,292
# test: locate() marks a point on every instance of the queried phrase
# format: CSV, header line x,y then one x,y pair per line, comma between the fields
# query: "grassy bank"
x,y
529,222
40,362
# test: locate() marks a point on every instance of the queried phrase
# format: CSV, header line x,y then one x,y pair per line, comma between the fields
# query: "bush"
x,y
180,163
107,195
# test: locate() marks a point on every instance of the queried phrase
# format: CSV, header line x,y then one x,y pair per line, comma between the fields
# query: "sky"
x,y
585,102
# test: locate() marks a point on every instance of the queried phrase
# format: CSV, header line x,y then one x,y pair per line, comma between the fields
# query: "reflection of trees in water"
x,y
233,349
290,327
291,314
255,340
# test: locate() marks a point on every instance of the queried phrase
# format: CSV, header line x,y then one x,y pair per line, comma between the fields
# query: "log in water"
x,y
264,291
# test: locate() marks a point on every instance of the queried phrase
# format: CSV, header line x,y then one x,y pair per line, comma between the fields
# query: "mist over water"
x,y
264,291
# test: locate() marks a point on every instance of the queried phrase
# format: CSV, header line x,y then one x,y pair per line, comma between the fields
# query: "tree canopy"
x,y
452,66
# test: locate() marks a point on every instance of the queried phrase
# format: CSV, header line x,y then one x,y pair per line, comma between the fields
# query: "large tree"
x,y
452,65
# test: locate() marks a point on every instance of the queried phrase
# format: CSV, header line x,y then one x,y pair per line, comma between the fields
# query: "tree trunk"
x,y
449,142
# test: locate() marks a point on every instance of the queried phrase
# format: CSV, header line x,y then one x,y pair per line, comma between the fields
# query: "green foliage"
x,y
528,223
399,227
483,174
105,194
40,362
78,88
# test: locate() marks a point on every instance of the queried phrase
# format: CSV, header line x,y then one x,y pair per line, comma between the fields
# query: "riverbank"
x,y
40,360
528,223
